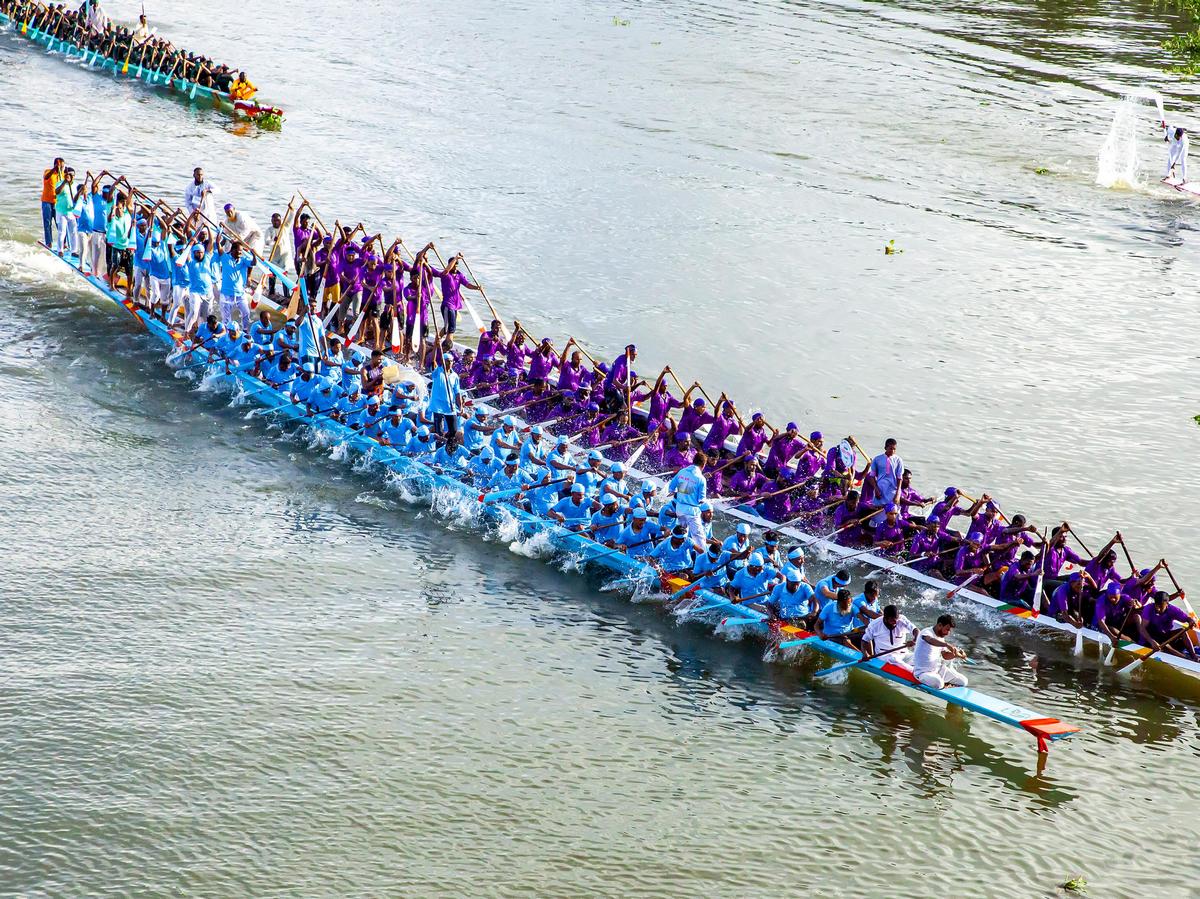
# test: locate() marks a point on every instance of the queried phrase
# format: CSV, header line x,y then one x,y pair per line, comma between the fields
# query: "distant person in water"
x,y
1177,151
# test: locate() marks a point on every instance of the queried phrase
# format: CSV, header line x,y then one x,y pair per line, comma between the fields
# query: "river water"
x,y
232,664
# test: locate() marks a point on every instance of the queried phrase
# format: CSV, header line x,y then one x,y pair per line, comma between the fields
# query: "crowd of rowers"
x,y
525,465
523,462
90,29
711,454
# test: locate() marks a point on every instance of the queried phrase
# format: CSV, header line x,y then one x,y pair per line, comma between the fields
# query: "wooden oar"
x,y
618,549
601,423
727,601
963,586
866,658
1111,656
495,314
1137,663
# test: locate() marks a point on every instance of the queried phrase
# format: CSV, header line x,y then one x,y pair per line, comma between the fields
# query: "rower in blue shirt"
x,y
303,387
753,580
349,406
484,467
560,459
675,554
505,439
793,601
640,533
366,416
544,496
836,620
827,587
510,477
866,605
450,457
709,568
607,522
324,397
286,338
591,476
534,450
261,331
476,430
795,561
615,484
574,512
421,442
738,543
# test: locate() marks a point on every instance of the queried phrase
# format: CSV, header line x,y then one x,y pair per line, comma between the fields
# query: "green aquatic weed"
x,y
1075,885
619,21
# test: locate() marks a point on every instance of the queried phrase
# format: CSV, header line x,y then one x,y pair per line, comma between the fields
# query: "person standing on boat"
x,y
51,178
887,469
244,228
141,31
96,19
66,220
445,398
199,195
690,489
235,271
932,655
452,281
1177,151
280,237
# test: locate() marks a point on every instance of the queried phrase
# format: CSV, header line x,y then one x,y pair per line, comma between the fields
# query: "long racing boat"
x,y
705,604
266,116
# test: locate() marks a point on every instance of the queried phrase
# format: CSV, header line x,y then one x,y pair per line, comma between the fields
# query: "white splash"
x,y
1117,162
539,546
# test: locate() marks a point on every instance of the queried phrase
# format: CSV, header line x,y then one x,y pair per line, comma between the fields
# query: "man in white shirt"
x,y
199,195
890,634
97,21
281,241
932,655
245,228
1177,151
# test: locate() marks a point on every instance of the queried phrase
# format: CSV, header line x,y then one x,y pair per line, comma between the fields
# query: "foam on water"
x,y
536,547
1117,161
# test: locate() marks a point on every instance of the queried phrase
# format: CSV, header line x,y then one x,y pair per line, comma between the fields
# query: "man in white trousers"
x,y
690,489
932,655
1177,151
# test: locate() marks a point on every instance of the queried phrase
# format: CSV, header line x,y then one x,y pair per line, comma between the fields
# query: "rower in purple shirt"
x,y
490,342
971,558
890,532
570,370
681,452
620,368
839,469
1103,568
755,436
661,400
1058,554
1066,602
516,354
1140,586
910,499
944,512
748,480
847,520
451,282
925,545
542,362
694,416
1158,623
722,428
784,446
1017,583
